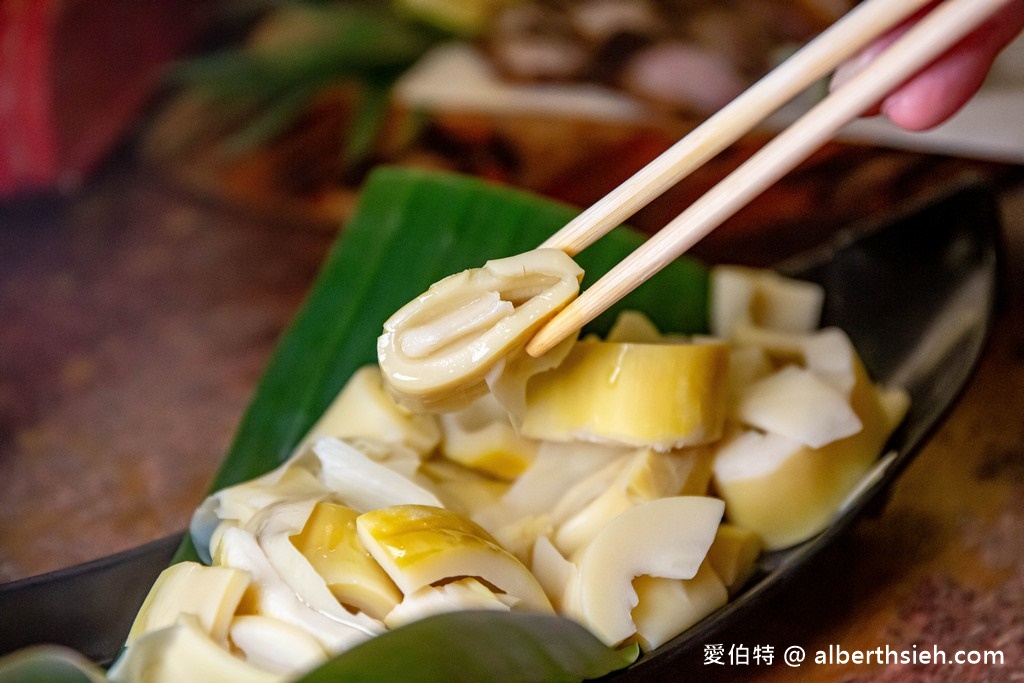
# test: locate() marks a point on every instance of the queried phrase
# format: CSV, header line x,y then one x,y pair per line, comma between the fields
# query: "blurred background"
x,y
172,173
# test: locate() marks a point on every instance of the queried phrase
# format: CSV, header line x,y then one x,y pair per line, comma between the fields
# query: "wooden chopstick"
x,y
942,27
811,63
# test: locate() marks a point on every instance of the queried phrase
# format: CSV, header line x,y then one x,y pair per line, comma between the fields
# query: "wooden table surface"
x,y
135,319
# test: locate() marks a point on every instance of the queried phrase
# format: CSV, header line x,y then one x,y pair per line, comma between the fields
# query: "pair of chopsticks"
x,y
937,31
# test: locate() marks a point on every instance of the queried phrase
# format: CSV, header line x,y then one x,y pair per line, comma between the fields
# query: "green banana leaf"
x,y
475,647
520,647
411,229
49,664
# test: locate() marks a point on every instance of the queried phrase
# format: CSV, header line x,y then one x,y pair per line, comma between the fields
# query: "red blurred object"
x,y
73,76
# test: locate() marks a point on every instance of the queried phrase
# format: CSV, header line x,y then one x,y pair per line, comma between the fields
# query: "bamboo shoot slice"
x,y
363,408
184,652
273,528
667,607
211,594
330,543
785,491
644,476
363,484
271,596
418,545
276,646
437,350
481,437
633,327
762,297
668,537
794,402
662,396
734,555
463,594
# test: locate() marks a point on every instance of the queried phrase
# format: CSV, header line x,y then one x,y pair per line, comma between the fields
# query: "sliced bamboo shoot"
x,y
364,408
271,596
633,327
276,646
734,555
330,543
463,594
274,528
663,396
362,483
644,476
184,652
211,594
481,437
668,538
419,545
786,492
437,350
794,402
764,298
667,607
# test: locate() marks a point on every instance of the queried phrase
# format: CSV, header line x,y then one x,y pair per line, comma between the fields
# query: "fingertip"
x,y
940,91
916,112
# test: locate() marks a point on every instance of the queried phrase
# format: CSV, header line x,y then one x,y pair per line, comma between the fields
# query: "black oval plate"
x,y
917,295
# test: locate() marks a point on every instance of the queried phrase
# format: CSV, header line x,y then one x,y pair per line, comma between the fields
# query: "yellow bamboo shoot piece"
x,y
437,350
461,489
633,327
211,594
364,408
276,646
184,652
668,538
481,437
663,396
271,595
733,555
796,403
643,476
764,298
274,528
667,607
462,594
419,545
785,491
331,544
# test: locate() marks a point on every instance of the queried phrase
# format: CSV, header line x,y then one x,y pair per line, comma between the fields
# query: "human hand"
x,y
941,89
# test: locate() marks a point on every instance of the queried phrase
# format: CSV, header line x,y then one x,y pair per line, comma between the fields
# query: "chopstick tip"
x,y
545,340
